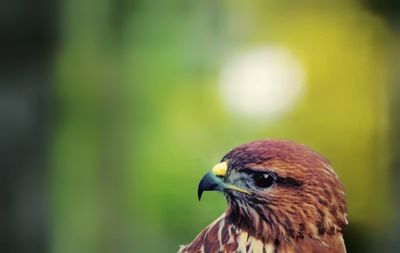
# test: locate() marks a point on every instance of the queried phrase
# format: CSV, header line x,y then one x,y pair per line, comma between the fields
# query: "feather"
x,y
302,210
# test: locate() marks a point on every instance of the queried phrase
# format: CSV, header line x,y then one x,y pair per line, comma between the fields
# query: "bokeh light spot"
x,y
262,84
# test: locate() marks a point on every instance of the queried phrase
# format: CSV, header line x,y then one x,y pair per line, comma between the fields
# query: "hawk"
x,y
282,197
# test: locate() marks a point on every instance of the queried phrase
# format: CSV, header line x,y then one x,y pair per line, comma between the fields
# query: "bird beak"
x,y
214,181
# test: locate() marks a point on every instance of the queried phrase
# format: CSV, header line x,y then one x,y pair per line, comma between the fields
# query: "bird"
x,y
282,197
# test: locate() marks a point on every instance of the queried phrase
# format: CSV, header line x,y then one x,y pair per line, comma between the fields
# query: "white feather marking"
x,y
242,241
344,247
269,248
249,242
256,246
221,225
324,244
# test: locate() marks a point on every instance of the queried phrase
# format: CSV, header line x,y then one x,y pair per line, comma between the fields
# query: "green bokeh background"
x,y
140,117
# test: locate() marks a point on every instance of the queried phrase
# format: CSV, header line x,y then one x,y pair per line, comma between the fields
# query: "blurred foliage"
x,y
140,119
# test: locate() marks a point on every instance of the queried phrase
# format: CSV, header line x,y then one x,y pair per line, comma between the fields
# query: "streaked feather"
x,y
305,212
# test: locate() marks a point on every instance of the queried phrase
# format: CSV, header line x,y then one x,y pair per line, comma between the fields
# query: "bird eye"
x,y
263,180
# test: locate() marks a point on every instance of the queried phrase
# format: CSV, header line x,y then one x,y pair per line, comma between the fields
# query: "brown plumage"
x,y
282,197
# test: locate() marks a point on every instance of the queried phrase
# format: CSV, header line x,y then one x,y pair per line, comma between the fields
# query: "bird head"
x,y
279,190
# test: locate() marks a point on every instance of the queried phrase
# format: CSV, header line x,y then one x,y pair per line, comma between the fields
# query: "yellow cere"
x,y
220,169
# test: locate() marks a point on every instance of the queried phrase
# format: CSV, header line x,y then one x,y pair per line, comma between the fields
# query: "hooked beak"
x,y
214,181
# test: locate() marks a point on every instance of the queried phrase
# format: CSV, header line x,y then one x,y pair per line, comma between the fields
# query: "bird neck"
x,y
224,236
266,227
249,239
274,224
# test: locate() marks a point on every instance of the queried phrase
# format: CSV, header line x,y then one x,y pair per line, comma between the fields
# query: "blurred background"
x,y
112,111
